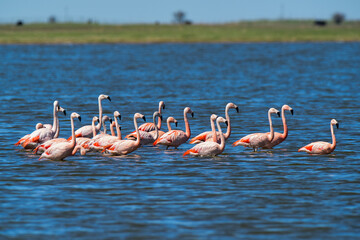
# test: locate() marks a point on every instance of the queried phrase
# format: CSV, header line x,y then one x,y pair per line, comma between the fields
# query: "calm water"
x,y
153,193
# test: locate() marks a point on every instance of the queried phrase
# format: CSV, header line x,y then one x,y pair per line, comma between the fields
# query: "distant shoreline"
x,y
242,32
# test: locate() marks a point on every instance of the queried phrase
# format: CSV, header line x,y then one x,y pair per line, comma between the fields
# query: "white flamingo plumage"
x,y
280,137
100,142
322,147
210,148
168,122
147,137
41,135
123,147
175,138
258,140
86,131
62,150
207,136
148,127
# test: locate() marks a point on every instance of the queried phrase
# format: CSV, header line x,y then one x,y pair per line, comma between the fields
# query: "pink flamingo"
x,y
123,147
62,150
147,137
207,136
175,138
41,135
168,122
79,141
101,134
278,137
148,127
210,148
86,131
322,147
100,143
258,140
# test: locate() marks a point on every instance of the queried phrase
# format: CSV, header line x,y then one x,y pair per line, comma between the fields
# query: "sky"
x,y
150,11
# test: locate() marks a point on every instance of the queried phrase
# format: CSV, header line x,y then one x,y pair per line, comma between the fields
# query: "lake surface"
x,y
155,193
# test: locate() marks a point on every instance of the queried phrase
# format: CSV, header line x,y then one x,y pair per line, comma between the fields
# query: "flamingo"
x,y
79,141
62,150
278,137
148,127
207,136
41,135
168,121
322,147
210,148
258,140
175,138
103,133
147,137
101,142
123,147
86,131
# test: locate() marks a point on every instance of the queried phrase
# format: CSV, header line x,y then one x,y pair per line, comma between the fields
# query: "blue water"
x,y
155,193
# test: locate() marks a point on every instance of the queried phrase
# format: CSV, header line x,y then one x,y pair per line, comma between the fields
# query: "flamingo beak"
x,y
237,109
226,122
278,113
119,117
176,124
144,118
337,125
98,120
120,128
110,120
192,114
109,98
164,106
79,118
292,112
64,112
161,117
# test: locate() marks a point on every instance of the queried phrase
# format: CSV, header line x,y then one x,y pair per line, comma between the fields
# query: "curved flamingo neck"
x,y
57,132
93,128
159,119
222,138
271,136
168,124
137,142
73,139
112,128
98,126
333,145
187,126
117,129
228,130
55,121
213,130
156,127
285,134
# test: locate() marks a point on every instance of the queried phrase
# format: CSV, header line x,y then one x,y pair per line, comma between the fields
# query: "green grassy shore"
x,y
258,31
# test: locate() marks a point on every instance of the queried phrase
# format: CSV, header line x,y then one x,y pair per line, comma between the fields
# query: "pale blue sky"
x,y
149,11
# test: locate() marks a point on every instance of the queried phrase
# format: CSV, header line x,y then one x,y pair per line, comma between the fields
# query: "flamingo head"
x,y
171,119
139,115
221,119
232,105
75,115
161,105
157,114
334,122
60,109
188,110
95,119
117,115
103,96
273,110
213,117
106,118
287,107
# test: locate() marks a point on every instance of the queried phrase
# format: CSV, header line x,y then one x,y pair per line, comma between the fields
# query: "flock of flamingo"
x,y
210,143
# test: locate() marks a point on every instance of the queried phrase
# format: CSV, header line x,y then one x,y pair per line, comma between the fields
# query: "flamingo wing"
x,y
202,137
